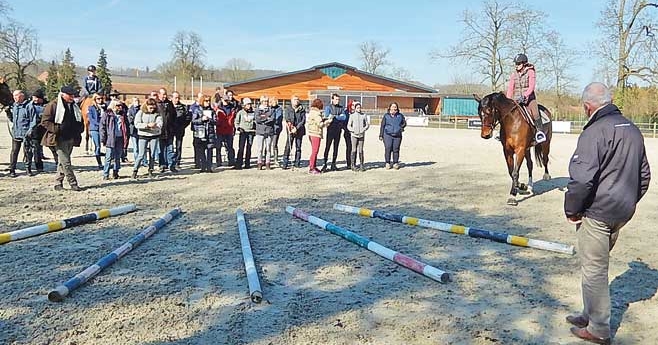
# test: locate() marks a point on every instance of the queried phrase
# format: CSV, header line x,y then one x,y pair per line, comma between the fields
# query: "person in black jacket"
x,y
168,113
609,174
295,119
390,132
183,119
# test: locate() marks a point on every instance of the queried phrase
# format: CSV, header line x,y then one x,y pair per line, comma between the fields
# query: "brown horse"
x,y
84,109
6,101
516,136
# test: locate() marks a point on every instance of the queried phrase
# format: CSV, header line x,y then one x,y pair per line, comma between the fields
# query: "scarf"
x,y
59,113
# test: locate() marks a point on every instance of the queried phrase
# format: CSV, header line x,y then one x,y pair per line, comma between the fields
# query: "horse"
x,y
6,101
84,109
516,136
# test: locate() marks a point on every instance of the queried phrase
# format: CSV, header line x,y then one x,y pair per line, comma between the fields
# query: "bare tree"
x,y
559,60
400,73
238,69
18,46
188,52
373,56
528,32
625,41
486,41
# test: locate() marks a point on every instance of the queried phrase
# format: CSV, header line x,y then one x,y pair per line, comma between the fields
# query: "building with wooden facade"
x,y
375,92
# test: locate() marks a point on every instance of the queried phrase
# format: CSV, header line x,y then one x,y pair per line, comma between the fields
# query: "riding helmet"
x,y
91,68
521,58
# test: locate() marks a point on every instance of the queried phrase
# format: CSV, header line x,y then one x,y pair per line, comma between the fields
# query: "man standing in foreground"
x,y
62,120
609,173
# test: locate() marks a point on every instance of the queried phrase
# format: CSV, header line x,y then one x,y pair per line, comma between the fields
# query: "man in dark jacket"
x,y
338,124
295,120
62,120
183,119
168,113
609,174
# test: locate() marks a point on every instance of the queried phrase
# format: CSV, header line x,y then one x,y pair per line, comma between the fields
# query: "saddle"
x,y
539,125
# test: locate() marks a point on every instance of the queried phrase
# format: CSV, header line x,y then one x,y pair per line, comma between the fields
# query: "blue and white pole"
x,y
64,223
459,229
58,294
397,257
252,276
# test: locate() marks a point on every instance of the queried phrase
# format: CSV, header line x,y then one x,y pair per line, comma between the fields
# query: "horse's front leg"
x,y
513,170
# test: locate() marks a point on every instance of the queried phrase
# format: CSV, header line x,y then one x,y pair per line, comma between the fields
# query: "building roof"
x,y
338,65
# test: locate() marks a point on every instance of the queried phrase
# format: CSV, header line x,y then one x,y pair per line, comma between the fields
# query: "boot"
x,y
324,167
12,173
361,167
98,160
540,137
134,175
333,166
29,170
353,160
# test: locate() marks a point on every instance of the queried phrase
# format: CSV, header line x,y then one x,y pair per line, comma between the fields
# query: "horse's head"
x,y
6,97
489,112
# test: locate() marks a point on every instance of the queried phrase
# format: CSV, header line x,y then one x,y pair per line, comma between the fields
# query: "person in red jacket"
x,y
225,130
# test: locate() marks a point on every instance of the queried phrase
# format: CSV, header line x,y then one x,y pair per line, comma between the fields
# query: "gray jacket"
x,y
142,119
358,124
609,172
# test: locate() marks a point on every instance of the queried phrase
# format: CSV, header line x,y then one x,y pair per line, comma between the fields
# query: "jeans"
x,y
263,148
113,153
245,141
154,146
64,167
298,149
178,148
203,149
166,153
96,138
392,146
225,140
134,142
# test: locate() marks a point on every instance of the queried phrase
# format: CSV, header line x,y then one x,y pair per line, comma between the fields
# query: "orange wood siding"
x,y
403,102
302,83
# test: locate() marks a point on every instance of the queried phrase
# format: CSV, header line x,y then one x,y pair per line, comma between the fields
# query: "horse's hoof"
x,y
523,186
512,202
547,177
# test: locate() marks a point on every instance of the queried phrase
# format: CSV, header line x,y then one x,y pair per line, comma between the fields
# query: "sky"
x,y
285,35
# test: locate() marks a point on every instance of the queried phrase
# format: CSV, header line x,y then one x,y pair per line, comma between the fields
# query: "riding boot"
x,y
540,137
362,167
28,168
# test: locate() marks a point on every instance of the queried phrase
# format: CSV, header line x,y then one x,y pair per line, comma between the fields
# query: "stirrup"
x,y
540,137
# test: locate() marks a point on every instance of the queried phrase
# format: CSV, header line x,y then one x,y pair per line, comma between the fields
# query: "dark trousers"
x,y
15,150
348,145
298,149
245,141
333,139
38,153
166,156
226,141
178,148
203,150
392,146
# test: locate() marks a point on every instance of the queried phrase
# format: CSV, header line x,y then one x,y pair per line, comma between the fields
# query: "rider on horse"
x,y
91,84
521,88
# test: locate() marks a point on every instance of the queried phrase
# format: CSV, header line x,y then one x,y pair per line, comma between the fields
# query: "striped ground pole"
x,y
58,294
252,276
458,229
399,258
65,223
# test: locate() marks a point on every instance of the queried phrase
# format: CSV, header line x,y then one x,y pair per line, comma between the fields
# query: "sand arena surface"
x,y
186,284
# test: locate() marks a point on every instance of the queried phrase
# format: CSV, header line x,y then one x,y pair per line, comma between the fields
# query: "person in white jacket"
x,y
149,125
357,125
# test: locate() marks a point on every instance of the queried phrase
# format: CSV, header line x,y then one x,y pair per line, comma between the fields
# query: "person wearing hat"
x,y
91,84
521,88
246,127
35,108
62,120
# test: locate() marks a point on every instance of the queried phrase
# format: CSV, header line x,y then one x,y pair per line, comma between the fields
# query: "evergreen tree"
x,y
67,75
52,83
103,73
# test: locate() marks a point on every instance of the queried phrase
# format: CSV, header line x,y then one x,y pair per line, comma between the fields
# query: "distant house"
x,y
375,92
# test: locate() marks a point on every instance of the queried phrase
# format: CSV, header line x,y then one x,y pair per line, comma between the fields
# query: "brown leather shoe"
x,y
578,321
584,334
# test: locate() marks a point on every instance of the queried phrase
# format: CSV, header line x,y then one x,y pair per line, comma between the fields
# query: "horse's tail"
x,y
538,158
